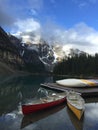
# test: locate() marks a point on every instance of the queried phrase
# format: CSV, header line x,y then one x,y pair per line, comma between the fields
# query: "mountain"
x,y
8,52
25,57
32,56
4,69
39,56
73,52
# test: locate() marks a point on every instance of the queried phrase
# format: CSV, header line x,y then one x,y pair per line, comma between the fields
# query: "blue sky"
x,y
73,23
65,13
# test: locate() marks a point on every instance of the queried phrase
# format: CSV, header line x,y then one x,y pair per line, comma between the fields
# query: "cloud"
x,y
27,25
11,10
19,14
84,3
80,36
81,3
28,29
5,18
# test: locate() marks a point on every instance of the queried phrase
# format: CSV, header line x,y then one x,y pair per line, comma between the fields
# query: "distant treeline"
x,y
82,64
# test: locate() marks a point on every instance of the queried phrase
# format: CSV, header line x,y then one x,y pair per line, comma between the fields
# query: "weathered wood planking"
x,y
85,91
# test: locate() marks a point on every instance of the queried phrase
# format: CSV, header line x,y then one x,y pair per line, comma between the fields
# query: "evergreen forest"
x,y
83,64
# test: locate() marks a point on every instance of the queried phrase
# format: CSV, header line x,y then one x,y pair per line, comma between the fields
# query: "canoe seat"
x,y
43,100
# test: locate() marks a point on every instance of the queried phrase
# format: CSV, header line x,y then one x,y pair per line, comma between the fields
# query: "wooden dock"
x,y
85,91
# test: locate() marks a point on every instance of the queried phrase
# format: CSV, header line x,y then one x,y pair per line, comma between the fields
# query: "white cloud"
x,y
28,29
10,10
80,36
27,25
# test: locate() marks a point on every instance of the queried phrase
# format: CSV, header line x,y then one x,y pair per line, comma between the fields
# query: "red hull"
x,y
27,109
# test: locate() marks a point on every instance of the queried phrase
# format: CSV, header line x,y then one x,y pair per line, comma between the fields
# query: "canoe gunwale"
x,y
77,106
26,109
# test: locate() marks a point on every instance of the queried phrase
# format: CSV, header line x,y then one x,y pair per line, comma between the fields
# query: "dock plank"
x,y
85,91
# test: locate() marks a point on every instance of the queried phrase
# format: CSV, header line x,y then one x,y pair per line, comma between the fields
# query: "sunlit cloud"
x,y
80,36
28,29
27,25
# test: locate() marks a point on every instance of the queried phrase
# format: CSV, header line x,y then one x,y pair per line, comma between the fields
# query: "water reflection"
x,y
78,124
52,119
91,116
10,121
31,118
13,90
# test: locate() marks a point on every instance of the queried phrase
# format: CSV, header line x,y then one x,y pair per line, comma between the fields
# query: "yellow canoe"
x,y
76,103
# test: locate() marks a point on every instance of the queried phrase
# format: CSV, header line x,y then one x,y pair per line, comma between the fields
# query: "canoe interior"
x,y
77,112
76,103
43,103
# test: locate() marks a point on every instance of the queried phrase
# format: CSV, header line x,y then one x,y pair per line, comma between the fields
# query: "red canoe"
x,y
44,103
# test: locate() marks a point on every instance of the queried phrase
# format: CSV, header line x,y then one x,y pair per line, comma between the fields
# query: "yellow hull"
x,y
89,83
76,111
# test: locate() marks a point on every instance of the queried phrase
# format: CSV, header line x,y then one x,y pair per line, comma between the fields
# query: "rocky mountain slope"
x,y
25,57
31,57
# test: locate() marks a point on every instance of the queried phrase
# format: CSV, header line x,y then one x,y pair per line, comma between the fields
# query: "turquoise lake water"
x,y
14,90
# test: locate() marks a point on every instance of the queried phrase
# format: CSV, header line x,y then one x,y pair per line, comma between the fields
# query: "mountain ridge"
x,y
22,57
